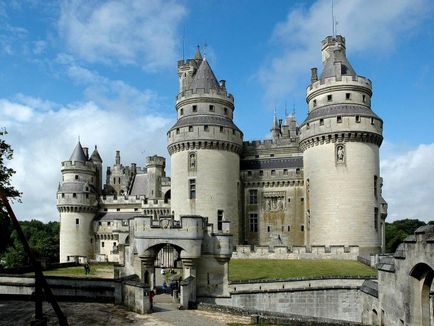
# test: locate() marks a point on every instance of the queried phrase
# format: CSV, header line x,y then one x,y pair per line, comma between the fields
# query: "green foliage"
x,y
397,231
6,188
43,239
262,269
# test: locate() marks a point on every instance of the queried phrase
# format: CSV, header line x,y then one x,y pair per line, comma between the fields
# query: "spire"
x,y
118,157
95,157
198,55
275,121
204,78
335,60
78,154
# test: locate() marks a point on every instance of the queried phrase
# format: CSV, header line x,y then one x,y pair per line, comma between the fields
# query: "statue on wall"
x,y
340,153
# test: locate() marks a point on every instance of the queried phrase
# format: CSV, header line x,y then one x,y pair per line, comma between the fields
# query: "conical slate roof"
x,y
95,156
78,154
329,70
204,78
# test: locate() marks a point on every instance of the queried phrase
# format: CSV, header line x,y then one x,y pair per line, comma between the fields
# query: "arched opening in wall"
x,y
167,196
420,285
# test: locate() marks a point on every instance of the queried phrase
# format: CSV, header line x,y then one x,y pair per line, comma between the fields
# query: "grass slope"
x,y
262,269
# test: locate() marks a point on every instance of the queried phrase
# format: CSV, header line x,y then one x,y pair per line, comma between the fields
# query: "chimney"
x,y
86,152
313,75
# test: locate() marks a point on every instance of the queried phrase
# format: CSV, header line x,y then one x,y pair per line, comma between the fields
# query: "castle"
x,y
313,184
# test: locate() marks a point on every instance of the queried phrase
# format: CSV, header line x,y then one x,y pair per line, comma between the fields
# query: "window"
x,y
321,122
76,177
285,171
297,171
108,223
372,121
314,103
273,172
63,195
211,108
221,129
339,119
226,111
249,173
307,126
102,244
364,98
99,223
271,155
233,131
376,218
289,200
87,188
329,98
348,96
268,228
118,209
302,228
261,172
358,118
302,199
136,209
220,220
375,186
74,195
206,128
256,156
87,196
190,128
192,188
77,221
177,131
253,196
253,222
289,228
194,108
181,111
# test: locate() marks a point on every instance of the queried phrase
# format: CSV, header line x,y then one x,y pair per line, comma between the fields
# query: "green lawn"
x,y
103,270
263,269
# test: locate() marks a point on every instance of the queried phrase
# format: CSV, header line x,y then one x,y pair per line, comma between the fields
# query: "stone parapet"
x,y
297,252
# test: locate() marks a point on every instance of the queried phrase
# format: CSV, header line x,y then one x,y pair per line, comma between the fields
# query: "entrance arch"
x,y
422,276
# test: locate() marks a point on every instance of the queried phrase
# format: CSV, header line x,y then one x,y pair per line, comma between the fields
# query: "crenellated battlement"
x,y
201,92
297,252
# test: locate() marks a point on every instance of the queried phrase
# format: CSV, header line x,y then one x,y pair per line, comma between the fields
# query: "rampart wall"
x,y
297,252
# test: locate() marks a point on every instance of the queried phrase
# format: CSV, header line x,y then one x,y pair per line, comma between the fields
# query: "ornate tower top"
x,y
334,58
78,154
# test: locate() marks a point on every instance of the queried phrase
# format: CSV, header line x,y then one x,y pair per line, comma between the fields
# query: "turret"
x,y
340,140
275,130
77,204
204,145
155,166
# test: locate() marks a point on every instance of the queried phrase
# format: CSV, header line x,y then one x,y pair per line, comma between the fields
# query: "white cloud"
x,y
129,32
408,181
369,27
41,143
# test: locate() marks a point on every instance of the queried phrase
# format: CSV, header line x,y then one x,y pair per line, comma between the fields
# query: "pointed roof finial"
x,y
198,55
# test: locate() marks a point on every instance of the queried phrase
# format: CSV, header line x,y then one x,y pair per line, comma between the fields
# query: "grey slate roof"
x,y
272,163
193,120
340,109
140,185
78,154
95,156
330,68
204,78
70,187
110,216
370,287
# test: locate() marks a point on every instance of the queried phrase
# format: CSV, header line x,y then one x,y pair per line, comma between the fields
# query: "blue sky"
x,y
106,71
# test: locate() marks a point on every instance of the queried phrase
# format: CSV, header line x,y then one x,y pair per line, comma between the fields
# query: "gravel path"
x,y
79,313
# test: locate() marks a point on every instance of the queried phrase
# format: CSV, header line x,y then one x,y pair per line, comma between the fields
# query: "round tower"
x,y
204,146
77,203
340,140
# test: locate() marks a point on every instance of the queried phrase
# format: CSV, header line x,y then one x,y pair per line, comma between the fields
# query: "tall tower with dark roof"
x,y
204,146
340,140
77,203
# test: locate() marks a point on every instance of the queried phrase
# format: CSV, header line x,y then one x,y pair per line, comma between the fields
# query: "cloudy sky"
x,y
105,71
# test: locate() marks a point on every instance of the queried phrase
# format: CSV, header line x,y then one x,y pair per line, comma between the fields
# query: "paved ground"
x,y
166,314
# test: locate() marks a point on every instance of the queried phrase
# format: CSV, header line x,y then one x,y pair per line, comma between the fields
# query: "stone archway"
x,y
422,276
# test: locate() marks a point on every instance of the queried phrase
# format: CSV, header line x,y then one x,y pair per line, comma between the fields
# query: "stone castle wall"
x,y
297,252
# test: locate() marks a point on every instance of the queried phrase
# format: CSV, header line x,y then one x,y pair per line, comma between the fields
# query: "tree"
x,y
6,187
397,231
